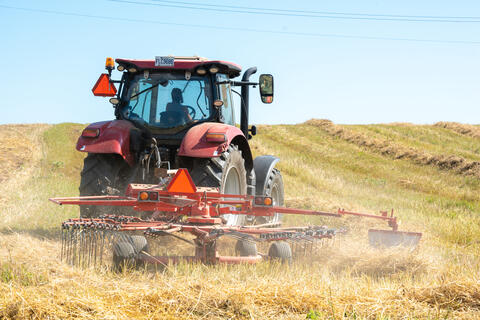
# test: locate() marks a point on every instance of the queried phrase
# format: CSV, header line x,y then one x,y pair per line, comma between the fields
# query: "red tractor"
x,y
177,112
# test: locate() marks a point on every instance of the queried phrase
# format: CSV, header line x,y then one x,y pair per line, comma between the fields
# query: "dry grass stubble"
x,y
344,280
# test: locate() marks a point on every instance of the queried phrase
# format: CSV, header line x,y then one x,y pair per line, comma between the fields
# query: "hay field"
x,y
428,173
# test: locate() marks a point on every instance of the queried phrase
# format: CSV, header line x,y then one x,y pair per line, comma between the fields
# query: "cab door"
x,y
227,114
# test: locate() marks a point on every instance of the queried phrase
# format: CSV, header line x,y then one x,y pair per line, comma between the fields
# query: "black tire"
x,y
103,174
123,255
275,190
215,172
139,244
246,248
281,251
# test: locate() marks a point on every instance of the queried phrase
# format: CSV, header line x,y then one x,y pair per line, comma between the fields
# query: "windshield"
x,y
168,100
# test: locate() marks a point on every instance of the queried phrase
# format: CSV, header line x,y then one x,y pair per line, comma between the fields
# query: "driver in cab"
x,y
177,106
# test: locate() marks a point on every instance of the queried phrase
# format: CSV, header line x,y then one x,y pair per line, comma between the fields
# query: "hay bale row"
x,y
454,163
465,129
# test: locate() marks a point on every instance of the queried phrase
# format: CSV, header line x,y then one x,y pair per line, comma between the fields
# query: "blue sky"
x,y
51,61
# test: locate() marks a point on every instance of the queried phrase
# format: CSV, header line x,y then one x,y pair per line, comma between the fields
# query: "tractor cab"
x,y
170,94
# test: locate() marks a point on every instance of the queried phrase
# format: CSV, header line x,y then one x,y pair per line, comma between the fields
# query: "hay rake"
x,y
180,209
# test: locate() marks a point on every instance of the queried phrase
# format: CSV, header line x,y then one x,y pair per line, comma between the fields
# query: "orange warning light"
x,y
109,63
103,87
182,182
267,201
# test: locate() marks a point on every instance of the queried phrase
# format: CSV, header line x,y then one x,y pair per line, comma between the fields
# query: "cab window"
x,y
168,100
225,95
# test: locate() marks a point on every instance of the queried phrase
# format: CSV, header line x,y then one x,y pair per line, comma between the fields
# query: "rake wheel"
x,y
139,244
280,250
246,248
123,255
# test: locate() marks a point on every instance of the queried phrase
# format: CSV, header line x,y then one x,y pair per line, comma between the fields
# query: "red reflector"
x,y
182,182
153,196
103,87
90,133
263,201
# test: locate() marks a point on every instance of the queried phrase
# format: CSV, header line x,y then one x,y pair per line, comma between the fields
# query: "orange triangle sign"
x,y
182,182
103,87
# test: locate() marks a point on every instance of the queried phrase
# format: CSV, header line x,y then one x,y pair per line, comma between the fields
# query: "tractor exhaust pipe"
x,y
245,101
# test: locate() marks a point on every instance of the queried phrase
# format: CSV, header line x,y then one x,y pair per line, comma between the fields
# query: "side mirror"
x,y
266,88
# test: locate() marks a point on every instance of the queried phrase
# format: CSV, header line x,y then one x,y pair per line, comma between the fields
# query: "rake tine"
x,y
63,244
102,245
84,248
72,238
72,255
69,246
95,246
81,248
89,249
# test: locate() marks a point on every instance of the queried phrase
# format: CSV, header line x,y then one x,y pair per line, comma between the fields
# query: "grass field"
x,y
428,173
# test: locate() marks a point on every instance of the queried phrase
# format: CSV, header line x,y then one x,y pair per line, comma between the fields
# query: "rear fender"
x,y
114,137
194,143
263,166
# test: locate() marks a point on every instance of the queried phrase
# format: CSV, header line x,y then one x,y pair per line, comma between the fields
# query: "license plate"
x,y
164,61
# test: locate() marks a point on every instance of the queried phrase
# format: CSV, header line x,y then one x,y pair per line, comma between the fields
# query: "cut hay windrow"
x,y
465,129
389,148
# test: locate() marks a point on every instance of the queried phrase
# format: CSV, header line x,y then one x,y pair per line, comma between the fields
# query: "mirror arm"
x,y
244,83
238,83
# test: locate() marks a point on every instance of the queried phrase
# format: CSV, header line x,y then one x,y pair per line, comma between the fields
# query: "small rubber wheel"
x,y
246,248
123,255
139,244
280,250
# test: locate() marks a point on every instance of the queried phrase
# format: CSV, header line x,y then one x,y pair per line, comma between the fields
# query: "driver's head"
x,y
177,95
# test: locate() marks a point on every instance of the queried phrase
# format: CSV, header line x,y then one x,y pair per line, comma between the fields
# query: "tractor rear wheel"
x,y
275,190
102,174
226,172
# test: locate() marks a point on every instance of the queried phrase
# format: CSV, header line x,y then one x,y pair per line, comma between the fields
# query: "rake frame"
x,y
198,212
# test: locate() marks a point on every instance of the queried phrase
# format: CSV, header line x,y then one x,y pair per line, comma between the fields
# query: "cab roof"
x,y
184,63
